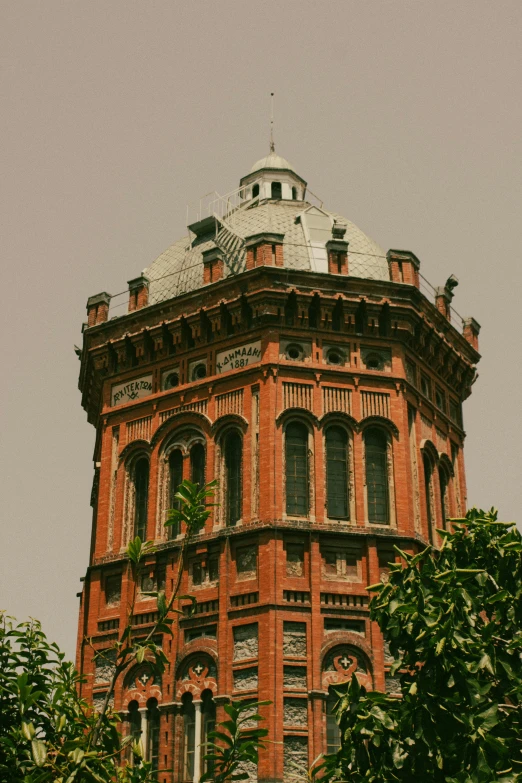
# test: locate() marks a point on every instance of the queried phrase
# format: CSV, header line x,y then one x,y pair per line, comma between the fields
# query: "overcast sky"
x,y
403,116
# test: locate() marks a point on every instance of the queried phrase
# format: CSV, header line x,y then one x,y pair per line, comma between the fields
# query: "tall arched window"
x,y
233,448
141,497
337,473
277,190
134,725
377,476
189,738
255,191
294,194
297,490
175,479
427,491
208,724
333,733
197,464
153,733
443,484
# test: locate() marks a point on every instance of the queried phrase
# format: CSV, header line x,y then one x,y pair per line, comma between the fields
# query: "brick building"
x,y
280,350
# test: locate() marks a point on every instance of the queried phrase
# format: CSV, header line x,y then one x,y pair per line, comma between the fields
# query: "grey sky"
x,y
403,116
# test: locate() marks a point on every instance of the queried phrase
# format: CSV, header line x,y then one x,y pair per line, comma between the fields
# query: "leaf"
x,y
28,730
39,752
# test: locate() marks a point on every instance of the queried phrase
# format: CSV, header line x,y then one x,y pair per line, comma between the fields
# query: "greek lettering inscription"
x,y
134,390
242,356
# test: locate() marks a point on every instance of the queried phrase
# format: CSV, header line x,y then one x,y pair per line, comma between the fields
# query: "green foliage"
x,y
47,732
235,743
453,621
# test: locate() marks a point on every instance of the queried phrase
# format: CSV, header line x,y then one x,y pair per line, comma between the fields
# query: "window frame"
x,y
387,521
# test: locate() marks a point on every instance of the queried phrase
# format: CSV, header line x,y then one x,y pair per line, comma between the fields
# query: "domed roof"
x,y
180,268
272,161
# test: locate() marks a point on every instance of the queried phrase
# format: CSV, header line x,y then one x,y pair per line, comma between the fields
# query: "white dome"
x,y
272,161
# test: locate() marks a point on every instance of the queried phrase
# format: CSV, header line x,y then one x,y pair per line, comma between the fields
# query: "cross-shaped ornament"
x,y
345,662
198,669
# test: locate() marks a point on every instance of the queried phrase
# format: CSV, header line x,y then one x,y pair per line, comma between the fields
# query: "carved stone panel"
x,y
246,679
246,642
295,712
295,759
294,677
294,639
104,666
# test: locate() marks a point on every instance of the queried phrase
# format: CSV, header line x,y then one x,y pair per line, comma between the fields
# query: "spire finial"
x,y
272,145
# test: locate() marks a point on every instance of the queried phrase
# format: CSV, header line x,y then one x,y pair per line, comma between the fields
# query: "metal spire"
x,y
272,145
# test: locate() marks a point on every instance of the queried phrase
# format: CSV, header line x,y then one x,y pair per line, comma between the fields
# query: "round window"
x,y
334,356
374,362
200,371
294,352
172,380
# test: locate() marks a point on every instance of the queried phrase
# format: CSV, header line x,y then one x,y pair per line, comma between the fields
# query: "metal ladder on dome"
x,y
227,239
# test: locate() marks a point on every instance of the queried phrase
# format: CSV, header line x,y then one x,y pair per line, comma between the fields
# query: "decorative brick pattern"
x,y
200,406
232,402
297,395
337,399
375,404
139,429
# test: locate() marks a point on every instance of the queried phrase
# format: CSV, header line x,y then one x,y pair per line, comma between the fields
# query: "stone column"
x,y
197,741
145,732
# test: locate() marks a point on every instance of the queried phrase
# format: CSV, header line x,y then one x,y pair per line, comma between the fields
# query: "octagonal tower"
x,y
281,351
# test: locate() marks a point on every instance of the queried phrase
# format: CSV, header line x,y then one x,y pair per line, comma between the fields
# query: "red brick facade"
x,y
281,596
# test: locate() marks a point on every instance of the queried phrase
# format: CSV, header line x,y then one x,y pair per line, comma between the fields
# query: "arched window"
x,y
141,497
333,733
297,491
134,726
197,464
189,736
255,191
233,448
377,476
277,190
337,473
427,489
208,724
175,479
153,733
294,194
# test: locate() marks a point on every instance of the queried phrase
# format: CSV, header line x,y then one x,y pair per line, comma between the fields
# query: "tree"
x,y
453,621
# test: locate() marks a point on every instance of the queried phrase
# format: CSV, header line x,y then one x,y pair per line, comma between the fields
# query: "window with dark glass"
x,y
339,563
134,726
208,725
141,487
255,191
294,194
197,464
175,479
376,476
337,473
277,190
297,491
427,489
443,484
153,733
233,457
333,734
189,743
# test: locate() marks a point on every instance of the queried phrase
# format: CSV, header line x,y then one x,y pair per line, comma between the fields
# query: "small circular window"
x,y
374,362
172,380
199,371
335,356
294,352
